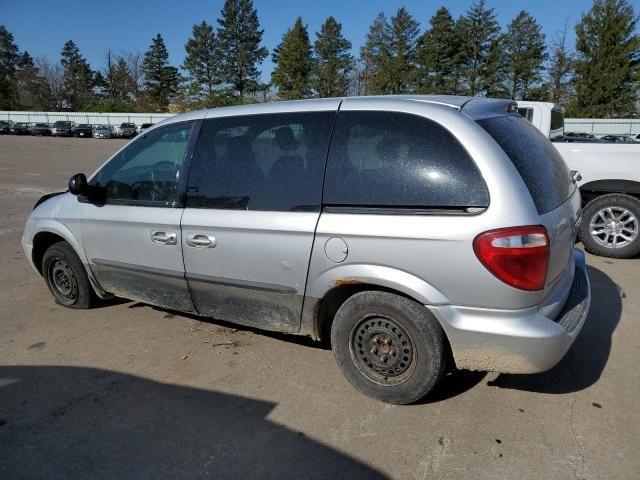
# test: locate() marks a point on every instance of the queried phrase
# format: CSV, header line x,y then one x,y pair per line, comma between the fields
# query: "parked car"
x,y
127,130
580,135
5,128
20,128
102,131
619,138
609,179
379,236
145,126
62,128
41,129
83,130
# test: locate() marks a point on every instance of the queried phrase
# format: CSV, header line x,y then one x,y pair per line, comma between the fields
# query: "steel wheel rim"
x,y
382,350
63,280
614,227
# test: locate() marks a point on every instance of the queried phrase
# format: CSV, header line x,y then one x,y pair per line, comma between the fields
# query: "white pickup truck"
x,y
609,183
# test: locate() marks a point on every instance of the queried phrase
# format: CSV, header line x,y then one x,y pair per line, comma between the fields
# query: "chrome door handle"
x,y
164,238
200,240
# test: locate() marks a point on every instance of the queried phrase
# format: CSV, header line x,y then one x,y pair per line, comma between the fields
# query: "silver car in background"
x,y
103,131
417,233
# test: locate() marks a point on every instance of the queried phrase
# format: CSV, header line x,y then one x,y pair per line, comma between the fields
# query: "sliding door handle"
x,y
200,240
164,238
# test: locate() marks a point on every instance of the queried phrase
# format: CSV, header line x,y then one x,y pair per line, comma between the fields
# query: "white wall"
x,y
84,117
602,126
595,126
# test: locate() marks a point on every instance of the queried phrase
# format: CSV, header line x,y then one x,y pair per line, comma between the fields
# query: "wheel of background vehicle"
x,y
66,277
610,226
388,347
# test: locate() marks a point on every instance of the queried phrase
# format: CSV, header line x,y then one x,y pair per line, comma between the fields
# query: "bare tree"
x,y
53,73
134,65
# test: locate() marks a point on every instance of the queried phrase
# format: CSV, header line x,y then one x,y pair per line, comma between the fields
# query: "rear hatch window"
x,y
540,165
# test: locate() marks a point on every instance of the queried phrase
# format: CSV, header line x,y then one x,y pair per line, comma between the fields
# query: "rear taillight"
x,y
519,256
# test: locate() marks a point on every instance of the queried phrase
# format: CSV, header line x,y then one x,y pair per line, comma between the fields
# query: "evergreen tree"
x,y
333,60
239,36
78,77
481,56
374,54
608,65
389,53
524,50
202,61
33,91
160,78
560,70
9,58
438,55
293,63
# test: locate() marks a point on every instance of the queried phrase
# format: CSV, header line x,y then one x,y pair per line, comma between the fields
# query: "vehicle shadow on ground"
x,y
584,363
69,422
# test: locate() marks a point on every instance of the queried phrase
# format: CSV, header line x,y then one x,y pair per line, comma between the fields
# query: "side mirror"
x,y
78,184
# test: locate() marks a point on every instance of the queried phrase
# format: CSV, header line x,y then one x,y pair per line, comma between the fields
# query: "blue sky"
x,y
43,26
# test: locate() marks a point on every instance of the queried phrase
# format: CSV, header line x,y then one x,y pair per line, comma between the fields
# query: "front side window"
x,y
391,159
148,170
270,162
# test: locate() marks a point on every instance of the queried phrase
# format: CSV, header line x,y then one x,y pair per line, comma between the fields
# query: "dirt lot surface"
x,y
131,391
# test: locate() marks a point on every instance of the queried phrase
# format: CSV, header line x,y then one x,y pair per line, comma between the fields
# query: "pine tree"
x,y
293,63
438,54
608,65
239,36
560,70
333,60
389,53
373,55
160,78
78,77
202,61
524,50
9,58
33,91
481,56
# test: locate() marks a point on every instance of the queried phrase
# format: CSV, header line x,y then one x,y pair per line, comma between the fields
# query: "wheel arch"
x,y
330,290
597,188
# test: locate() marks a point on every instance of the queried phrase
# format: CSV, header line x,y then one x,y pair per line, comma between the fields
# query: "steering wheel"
x,y
135,186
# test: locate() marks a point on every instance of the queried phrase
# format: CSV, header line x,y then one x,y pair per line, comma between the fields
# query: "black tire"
x,y
603,244
388,347
66,277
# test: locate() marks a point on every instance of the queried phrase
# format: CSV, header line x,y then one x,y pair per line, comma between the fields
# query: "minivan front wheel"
x,y
66,277
388,346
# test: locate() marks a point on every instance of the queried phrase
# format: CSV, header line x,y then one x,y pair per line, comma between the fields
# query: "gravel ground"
x,y
132,391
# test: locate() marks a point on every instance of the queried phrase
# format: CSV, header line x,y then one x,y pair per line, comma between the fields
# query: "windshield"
x,y
62,124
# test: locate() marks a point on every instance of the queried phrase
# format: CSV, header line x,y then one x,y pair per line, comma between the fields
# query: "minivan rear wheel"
x,y
388,346
66,277
611,226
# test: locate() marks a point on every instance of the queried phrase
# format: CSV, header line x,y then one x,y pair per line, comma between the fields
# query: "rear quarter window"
x,y
394,160
540,165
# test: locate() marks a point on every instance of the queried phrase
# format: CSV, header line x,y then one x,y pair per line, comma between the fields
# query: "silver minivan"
x,y
417,233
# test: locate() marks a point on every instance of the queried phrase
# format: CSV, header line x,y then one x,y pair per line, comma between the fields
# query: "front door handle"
x,y
200,240
164,238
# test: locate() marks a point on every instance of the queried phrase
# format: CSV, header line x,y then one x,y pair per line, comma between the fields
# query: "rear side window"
x,y
536,159
391,159
271,162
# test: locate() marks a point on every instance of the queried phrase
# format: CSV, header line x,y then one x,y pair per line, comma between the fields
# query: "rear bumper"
x,y
516,341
